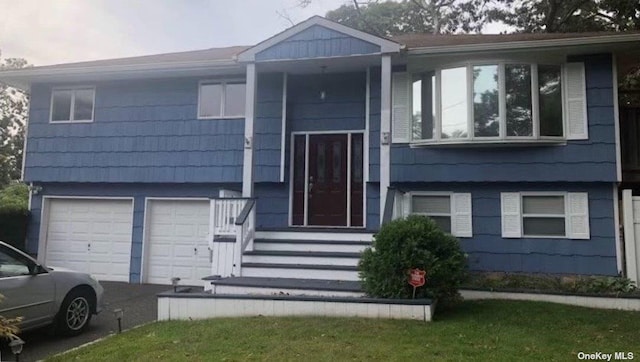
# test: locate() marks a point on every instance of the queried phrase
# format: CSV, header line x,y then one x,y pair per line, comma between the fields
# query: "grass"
x,y
482,330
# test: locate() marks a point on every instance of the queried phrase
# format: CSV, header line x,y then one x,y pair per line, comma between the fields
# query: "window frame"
x,y
433,193
223,96
73,90
502,106
565,199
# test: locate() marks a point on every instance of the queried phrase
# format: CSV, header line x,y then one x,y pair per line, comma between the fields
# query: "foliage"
x,y
8,327
414,242
554,283
14,108
15,197
411,16
477,331
558,16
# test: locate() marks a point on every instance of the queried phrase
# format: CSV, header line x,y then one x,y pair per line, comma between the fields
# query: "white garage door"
x,y
92,236
176,244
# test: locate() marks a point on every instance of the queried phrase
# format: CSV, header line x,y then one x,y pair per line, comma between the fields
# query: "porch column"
x,y
247,164
385,130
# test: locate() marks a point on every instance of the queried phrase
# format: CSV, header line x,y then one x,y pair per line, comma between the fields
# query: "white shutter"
x,y
401,112
578,215
511,216
576,102
461,224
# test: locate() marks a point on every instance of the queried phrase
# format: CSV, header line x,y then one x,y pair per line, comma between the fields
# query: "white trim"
x,y
349,179
251,87
616,224
535,101
305,220
145,222
385,128
367,120
24,146
44,220
223,95
629,236
72,104
616,117
526,44
386,46
283,137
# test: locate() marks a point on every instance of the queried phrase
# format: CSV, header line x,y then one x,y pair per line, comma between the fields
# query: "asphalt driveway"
x,y
137,300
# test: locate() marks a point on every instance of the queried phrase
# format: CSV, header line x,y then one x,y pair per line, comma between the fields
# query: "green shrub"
x,y
414,242
15,197
14,214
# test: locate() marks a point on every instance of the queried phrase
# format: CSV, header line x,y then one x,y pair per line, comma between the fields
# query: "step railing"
x,y
245,233
232,230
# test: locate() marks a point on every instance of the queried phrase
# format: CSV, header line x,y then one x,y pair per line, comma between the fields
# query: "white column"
x,y
385,130
247,164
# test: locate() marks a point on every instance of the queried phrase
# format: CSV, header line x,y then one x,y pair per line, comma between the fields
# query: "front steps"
x,y
298,262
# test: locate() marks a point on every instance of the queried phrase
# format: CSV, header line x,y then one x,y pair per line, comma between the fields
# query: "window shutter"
x,y
401,113
578,215
576,102
461,224
511,217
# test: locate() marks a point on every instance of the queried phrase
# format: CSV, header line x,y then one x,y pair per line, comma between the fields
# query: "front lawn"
x,y
481,330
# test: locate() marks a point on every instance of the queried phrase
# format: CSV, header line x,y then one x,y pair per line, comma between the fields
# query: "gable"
x,y
318,42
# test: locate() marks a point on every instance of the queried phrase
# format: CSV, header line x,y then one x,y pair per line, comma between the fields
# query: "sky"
x,y
62,31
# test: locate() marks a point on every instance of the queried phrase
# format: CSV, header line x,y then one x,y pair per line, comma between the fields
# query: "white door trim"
x,y
349,134
145,224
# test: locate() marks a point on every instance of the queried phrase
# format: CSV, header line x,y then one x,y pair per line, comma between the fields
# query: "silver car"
x,y
46,295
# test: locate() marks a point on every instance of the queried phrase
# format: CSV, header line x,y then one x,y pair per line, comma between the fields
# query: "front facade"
x,y
511,145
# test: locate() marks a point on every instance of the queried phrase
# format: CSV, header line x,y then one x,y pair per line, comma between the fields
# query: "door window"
x,y
12,265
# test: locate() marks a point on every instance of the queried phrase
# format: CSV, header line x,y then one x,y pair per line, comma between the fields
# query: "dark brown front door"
x,y
324,195
328,180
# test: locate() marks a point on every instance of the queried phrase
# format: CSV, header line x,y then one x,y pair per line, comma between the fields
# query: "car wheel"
x,y
75,313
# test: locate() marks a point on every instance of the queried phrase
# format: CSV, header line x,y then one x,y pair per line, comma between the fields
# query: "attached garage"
x,y
176,242
89,235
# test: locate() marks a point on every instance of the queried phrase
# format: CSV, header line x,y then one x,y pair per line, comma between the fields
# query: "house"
x,y
281,160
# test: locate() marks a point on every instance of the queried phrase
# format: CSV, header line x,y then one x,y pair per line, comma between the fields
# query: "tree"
x,y
14,107
410,16
556,16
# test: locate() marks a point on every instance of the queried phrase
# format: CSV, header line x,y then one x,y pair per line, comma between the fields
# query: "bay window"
x,y
490,102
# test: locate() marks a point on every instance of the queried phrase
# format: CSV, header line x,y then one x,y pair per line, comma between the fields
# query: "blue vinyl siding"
x,y
590,160
138,191
143,131
317,42
488,251
268,128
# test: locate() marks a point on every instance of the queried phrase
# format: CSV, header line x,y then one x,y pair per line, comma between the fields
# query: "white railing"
x,y
225,212
245,233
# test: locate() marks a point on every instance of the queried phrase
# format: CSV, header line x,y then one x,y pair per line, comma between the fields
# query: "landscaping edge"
x,y
602,302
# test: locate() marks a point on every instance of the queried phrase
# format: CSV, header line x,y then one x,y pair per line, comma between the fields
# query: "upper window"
x,y
221,100
489,102
72,105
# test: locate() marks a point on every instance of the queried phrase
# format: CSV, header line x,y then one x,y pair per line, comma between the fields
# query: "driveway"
x,y
137,300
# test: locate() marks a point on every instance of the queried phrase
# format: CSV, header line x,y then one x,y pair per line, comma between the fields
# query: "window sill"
x,y
223,117
490,143
67,122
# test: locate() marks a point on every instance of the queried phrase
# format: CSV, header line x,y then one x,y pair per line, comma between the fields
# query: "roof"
x,y
419,40
213,54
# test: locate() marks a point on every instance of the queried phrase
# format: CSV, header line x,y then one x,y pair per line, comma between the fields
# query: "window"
x,y
437,208
450,211
499,102
221,99
11,265
72,105
545,215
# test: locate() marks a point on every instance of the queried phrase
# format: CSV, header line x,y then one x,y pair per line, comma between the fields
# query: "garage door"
x,y
92,236
176,244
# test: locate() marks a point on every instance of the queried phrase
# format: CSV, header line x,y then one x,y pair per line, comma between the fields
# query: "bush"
x,y
8,327
14,214
414,242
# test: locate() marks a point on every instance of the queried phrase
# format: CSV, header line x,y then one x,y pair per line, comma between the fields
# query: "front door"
x,y
332,193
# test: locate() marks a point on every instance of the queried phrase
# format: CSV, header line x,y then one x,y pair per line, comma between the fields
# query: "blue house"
x,y
281,160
